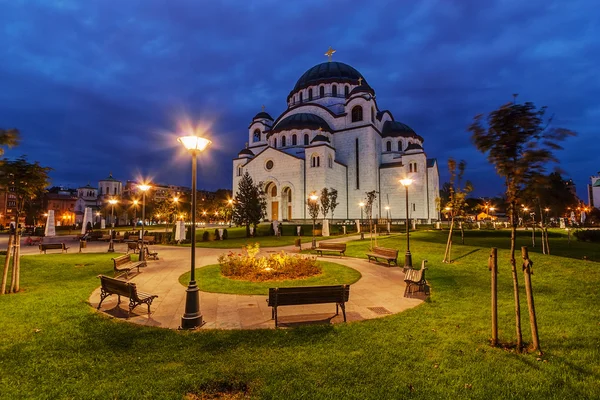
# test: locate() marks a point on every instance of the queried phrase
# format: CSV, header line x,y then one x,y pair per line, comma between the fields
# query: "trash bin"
x,y
82,245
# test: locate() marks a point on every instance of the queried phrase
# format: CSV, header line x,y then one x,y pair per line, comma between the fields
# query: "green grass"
x,y
435,349
210,280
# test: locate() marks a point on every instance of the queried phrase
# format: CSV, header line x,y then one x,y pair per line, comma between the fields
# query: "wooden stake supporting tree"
x,y
9,251
528,271
493,267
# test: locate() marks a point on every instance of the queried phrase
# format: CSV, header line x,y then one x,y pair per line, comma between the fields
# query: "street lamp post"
x,y
192,318
407,257
230,201
144,188
387,210
361,205
111,245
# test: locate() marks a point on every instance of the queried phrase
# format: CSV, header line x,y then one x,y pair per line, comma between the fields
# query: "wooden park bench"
x,y
123,264
150,254
332,248
390,255
415,278
110,286
104,238
53,246
290,296
148,239
31,240
133,245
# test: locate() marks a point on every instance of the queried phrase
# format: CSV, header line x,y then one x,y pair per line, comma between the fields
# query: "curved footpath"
x,y
378,293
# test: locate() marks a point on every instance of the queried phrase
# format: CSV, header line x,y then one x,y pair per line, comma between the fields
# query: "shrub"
x,y
280,266
271,230
587,235
205,236
217,234
225,234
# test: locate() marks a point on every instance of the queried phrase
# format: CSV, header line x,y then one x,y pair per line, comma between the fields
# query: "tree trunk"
x,y
493,267
247,230
449,243
17,262
513,264
6,264
371,232
527,272
547,242
462,233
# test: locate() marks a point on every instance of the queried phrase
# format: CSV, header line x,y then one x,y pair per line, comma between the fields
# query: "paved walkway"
x,y
378,293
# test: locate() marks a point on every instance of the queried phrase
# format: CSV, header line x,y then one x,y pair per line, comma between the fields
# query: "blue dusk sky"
x,y
101,86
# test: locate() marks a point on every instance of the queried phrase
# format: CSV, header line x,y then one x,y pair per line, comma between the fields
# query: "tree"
x,y
24,181
8,138
250,203
325,202
457,195
371,196
519,144
333,194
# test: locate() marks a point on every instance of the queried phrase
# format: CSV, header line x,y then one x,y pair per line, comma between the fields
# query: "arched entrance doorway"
x,y
286,203
272,201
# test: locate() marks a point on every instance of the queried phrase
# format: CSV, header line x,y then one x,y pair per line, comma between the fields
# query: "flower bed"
x,y
280,266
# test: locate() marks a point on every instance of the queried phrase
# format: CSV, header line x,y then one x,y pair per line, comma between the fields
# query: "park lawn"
x,y
54,345
209,279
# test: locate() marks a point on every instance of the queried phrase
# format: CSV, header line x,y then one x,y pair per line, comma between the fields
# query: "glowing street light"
x,y
406,182
192,318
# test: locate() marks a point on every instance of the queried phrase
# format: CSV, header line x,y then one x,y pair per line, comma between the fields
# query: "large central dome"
x,y
331,71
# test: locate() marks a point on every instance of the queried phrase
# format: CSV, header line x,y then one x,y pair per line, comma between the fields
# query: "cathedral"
x,y
333,134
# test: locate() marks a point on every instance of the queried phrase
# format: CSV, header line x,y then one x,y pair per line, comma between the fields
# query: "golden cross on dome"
x,y
246,144
360,81
330,53
320,129
263,107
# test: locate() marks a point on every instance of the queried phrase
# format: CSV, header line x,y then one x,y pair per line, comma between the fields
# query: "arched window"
x,y
334,90
274,191
346,90
322,91
309,94
300,97
294,140
107,190
372,114
256,137
357,114
330,161
306,139
283,141
410,167
275,143
240,171
388,146
315,161
399,145
414,167
115,191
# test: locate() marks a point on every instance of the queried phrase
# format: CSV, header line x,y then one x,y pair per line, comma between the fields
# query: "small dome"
x,y
301,121
364,88
262,115
320,138
109,179
398,129
328,72
413,146
246,152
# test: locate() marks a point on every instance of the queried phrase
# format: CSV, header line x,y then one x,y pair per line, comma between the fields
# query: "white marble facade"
x,y
333,134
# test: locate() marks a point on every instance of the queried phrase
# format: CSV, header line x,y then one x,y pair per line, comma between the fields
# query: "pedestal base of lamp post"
x,y
407,261
111,246
192,318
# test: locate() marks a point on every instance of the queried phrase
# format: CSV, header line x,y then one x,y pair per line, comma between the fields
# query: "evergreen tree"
x,y
250,203
519,143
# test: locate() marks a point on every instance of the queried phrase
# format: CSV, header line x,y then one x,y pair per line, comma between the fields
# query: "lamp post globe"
x,y
406,182
192,318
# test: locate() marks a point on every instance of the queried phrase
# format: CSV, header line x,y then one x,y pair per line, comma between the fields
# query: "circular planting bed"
x,y
210,279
